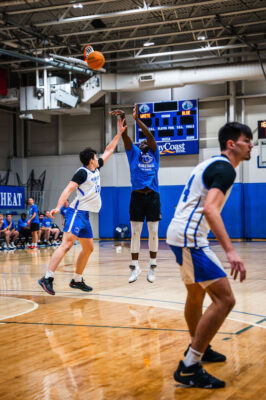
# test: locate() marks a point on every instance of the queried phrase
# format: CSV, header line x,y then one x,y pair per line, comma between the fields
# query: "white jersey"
x,y
88,193
189,227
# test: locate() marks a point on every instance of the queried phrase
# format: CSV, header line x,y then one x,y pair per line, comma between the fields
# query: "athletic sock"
x,y
153,261
49,274
135,263
192,357
77,277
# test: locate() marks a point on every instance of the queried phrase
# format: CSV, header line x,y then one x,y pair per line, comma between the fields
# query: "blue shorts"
x,y
198,265
78,223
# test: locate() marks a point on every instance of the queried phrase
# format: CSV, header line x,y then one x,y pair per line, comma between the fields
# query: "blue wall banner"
x,y
12,197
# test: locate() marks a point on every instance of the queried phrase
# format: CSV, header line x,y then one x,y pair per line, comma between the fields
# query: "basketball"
x,y
94,59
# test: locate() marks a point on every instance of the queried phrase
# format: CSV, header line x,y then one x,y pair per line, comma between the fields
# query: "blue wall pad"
x,y
243,214
254,213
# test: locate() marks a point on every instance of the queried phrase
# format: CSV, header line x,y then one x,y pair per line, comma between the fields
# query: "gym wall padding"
x,y
241,220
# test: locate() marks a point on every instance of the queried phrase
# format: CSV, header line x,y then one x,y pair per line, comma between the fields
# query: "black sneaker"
x,y
210,355
47,285
80,285
196,376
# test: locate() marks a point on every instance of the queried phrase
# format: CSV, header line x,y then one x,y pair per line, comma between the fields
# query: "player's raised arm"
x,y
64,196
150,139
214,202
112,145
126,139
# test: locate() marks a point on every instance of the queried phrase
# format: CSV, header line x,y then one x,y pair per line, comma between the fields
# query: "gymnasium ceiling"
x,y
181,33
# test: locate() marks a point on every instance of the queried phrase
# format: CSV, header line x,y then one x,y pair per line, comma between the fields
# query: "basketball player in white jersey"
x,y
77,226
197,211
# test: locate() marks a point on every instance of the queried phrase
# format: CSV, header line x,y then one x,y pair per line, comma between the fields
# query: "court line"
x,y
126,297
108,326
251,326
35,306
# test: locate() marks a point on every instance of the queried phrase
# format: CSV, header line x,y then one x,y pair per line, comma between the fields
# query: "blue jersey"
x,y
6,224
144,168
34,209
63,211
47,222
22,224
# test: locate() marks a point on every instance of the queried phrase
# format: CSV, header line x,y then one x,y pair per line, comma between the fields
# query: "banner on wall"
x,y
12,197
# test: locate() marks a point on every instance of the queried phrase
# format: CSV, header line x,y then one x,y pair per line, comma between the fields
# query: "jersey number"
x,y
97,188
187,190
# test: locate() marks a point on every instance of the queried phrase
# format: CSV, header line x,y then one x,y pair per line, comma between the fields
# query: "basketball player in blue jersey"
x,y
145,199
77,226
197,212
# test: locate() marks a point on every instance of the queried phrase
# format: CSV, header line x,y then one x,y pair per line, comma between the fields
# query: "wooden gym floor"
x,y
121,341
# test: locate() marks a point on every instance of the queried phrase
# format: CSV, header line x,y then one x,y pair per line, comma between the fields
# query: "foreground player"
x,y
145,199
77,225
198,210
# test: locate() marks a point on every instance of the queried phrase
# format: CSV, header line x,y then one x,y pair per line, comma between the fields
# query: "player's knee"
x,y
66,246
230,301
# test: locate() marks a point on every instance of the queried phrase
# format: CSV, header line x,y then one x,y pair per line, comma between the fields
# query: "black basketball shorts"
x,y
145,206
34,227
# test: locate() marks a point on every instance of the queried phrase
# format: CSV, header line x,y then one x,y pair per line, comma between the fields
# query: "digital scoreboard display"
x,y
262,129
174,125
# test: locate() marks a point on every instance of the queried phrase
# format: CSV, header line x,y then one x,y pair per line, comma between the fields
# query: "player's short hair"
x,y
86,155
232,131
23,214
8,214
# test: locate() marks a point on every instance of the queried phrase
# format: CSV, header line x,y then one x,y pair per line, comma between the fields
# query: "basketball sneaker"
x,y
80,285
210,355
47,285
135,272
196,376
151,273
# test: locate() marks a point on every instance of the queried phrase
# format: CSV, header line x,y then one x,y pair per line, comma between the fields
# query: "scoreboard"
x,y
262,129
174,125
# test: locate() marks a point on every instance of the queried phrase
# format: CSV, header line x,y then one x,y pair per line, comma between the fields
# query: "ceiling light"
x,y
77,5
201,37
148,44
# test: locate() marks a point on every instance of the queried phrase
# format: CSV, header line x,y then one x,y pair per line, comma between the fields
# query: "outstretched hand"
x,y
118,113
122,127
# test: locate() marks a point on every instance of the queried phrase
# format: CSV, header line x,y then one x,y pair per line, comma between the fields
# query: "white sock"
x,y
135,263
49,274
153,261
192,357
77,277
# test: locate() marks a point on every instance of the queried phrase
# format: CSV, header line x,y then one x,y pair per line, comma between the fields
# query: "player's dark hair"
x,y
8,214
232,131
23,214
86,155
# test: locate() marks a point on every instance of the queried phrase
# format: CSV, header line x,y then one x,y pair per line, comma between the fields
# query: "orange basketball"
x,y
95,60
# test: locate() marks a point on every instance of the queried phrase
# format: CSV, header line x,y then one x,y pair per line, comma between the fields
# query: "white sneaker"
x,y
136,271
12,245
151,273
